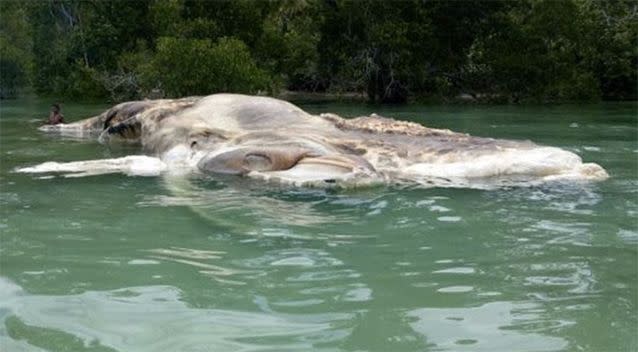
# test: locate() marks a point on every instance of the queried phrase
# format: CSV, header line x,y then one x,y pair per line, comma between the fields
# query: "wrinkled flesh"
x,y
271,139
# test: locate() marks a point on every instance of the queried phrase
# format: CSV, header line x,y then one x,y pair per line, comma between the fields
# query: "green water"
x,y
117,263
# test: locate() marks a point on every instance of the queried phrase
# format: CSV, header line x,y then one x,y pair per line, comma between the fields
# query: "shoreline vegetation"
x,y
332,97
455,52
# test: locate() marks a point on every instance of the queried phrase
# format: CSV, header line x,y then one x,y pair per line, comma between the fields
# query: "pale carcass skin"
x,y
273,140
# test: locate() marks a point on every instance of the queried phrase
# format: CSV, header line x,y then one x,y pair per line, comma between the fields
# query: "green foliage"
x,y
394,49
556,50
12,70
288,45
610,45
504,51
84,82
15,49
198,66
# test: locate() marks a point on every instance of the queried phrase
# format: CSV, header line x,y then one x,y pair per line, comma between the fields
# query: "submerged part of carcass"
x,y
273,140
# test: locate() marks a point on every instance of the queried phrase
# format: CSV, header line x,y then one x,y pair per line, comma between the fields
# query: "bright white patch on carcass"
x,y
132,165
181,160
319,175
502,168
544,163
67,130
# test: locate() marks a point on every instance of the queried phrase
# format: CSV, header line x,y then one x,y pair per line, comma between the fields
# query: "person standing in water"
x,y
55,116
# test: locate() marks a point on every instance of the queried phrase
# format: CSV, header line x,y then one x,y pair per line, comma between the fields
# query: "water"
x,y
118,263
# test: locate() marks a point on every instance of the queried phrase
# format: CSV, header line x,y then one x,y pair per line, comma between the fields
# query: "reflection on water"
x,y
226,203
494,326
255,209
148,319
153,318
198,259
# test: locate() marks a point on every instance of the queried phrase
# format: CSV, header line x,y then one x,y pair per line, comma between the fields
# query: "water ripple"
x,y
152,318
492,327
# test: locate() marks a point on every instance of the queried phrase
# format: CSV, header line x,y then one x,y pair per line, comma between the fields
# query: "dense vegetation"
x,y
506,51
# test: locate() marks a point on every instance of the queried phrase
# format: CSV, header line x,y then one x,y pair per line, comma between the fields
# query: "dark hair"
x,y
56,106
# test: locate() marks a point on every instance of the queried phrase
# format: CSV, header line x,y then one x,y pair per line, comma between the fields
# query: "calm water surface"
x,y
117,263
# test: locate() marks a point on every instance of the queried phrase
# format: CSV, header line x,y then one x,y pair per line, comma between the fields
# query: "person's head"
x,y
55,107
